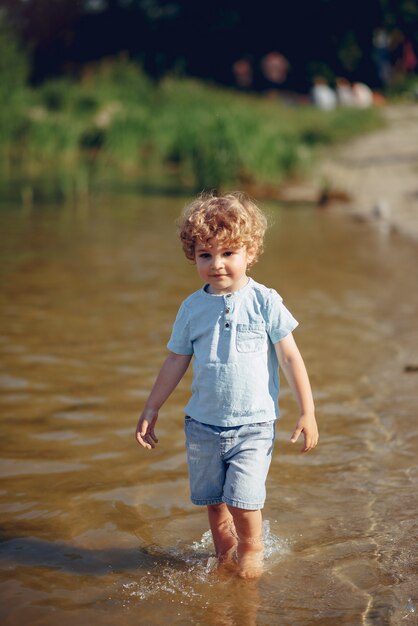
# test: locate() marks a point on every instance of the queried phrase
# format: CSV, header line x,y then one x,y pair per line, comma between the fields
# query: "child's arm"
x,y
171,373
292,364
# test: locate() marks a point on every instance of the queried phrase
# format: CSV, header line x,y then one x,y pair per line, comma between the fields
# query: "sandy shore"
x,y
379,172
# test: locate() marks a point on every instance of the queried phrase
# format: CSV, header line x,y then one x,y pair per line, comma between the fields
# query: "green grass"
x,y
116,117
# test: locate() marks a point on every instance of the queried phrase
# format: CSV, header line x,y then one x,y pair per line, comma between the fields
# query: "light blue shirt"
x,y
235,367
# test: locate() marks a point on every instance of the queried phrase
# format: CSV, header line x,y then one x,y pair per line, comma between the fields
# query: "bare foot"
x,y
250,563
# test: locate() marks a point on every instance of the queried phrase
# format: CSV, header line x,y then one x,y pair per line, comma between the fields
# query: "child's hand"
x,y
145,434
308,426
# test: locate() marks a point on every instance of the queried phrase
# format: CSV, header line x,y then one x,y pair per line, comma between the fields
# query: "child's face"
x,y
223,268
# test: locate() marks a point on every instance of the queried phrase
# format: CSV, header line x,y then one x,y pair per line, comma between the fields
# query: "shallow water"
x,y
96,530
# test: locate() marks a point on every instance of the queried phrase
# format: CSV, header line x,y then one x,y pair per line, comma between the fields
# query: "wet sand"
x,y
379,172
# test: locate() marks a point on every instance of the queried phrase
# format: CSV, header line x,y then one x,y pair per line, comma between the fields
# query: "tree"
x,y
205,38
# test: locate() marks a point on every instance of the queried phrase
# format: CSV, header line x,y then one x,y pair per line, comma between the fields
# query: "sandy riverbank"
x,y
379,172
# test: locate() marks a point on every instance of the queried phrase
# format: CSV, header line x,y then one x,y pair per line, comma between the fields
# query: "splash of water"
x,y
273,545
182,569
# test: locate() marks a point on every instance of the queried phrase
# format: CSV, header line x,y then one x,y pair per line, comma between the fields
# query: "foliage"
x,y
209,136
167,35
403,88
13,75
118,78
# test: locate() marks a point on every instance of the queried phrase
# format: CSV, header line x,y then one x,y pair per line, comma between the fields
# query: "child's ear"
x,y
251,254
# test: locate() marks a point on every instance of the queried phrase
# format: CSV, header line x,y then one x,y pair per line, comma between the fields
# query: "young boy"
x,y
238,332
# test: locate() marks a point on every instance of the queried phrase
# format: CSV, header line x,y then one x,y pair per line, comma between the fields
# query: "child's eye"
x,y
228,253
204,255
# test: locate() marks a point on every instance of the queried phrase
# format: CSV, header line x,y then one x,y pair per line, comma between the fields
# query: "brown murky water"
x,y
97,531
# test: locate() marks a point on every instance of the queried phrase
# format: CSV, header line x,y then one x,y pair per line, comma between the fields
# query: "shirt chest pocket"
x,y
251,338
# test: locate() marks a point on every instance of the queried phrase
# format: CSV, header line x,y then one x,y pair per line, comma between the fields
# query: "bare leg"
x,y
223,532
249,530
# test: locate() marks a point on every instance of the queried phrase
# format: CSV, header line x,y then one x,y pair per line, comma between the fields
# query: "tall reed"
x,y
114,115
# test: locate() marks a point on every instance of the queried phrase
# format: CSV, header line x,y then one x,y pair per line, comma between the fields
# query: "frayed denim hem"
x,y
207,502
249,506
235,503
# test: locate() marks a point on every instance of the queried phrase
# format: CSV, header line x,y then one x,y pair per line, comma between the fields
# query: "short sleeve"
x,y
280,321
180,341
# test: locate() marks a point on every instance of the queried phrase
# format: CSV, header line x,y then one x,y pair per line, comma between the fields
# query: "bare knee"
x,y
245,516
219,514
218,510
248,523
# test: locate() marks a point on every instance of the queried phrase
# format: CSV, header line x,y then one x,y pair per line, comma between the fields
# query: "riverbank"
x,y
73,137
377,174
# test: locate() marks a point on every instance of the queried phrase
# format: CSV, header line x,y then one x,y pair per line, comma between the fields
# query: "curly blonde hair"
x,y
234,219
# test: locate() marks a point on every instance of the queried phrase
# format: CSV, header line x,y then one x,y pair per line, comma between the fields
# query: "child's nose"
x,y
217,261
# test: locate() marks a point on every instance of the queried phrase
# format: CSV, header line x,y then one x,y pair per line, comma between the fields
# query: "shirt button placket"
x,y
228,311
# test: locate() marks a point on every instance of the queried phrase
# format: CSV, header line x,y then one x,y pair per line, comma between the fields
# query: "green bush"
x,y
56,95
209,136
92,138
122,80
128,133
14,68
54,139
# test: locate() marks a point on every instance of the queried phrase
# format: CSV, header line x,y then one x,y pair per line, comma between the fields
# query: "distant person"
x,y
323,96
344,92
243,73
382,57
403,56
275,67
237,331
274,74
362,95
409,59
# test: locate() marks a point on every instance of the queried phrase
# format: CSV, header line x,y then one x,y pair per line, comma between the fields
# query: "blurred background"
x,y
188,94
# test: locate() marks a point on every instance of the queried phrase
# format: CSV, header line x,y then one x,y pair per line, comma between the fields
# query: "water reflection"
x,y
95,529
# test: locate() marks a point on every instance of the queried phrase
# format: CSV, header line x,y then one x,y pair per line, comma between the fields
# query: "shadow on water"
x,y
31,551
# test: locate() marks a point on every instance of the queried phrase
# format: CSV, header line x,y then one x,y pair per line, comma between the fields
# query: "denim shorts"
x,y
229,464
